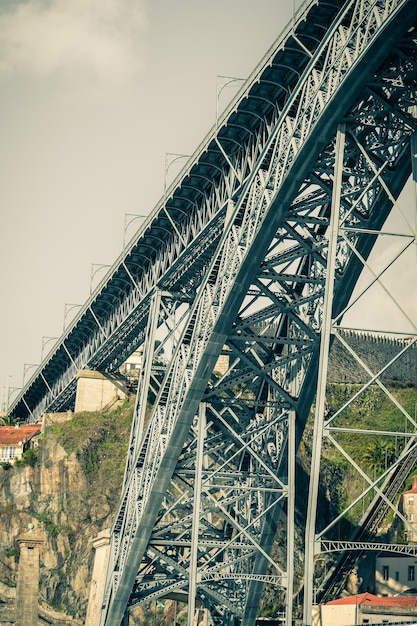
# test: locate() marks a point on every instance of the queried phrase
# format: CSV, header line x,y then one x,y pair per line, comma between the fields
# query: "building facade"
x,y
15,440
409,505
394,573
366,608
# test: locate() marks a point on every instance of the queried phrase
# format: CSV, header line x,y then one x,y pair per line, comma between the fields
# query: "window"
x,y
411,572
8,453
385,572
397,576
410,499
411,517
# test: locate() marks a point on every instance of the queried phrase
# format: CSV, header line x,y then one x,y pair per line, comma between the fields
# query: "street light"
x,y
129,219
222,83
3,399
96,267
12,390
68,308
45,341
26,367
6,395
170,159
6,399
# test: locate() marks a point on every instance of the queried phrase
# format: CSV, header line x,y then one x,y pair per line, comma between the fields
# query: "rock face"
x,y
70,492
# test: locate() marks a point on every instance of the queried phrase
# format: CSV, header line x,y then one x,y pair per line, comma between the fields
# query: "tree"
x,y
9,420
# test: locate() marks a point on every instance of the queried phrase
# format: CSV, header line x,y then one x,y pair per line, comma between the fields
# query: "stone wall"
x,y
376,351
97,391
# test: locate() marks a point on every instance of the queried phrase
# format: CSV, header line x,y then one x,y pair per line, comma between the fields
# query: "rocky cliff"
x,y
69,489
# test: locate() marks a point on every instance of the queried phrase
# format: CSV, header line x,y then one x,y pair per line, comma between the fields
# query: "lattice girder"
x,y
109,335
266,280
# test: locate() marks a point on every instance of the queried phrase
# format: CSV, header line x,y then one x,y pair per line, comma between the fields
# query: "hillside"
x,y
69,489
70,486
376,352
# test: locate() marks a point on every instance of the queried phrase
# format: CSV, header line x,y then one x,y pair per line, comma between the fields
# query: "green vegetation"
x,y
10,420
29,457
371,411
50,527
88,497
371,420
99,441
340,483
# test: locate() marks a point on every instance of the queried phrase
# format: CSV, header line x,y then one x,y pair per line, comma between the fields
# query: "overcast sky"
x,y
93,94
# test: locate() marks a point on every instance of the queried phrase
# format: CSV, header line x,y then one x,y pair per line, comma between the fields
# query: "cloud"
x,y
99,39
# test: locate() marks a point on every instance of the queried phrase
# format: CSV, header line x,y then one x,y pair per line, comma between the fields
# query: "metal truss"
x,y
253,254
210,477
172,248
393,548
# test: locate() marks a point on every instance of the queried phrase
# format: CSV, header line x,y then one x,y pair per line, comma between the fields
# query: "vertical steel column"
x,y
414,175
322,376
150,348
290,515
192,583
143,382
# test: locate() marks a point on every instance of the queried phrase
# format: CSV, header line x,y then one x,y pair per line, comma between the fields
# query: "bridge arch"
x,y
291,194
320,152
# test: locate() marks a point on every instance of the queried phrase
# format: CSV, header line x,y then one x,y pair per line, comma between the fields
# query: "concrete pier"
x,y
97,391
101,544
27,591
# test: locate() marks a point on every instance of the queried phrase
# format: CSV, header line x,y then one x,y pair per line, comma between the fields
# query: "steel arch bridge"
x,y
253,253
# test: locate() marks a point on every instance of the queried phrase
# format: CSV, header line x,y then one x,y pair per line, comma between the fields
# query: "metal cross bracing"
x,y
388,487
235,260
260,298
174,243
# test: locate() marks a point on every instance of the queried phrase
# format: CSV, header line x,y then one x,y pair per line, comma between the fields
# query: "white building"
x,y
132,366
15,440
366,608
394,573
409,505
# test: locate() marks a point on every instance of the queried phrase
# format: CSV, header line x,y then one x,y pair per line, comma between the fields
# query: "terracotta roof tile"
x,y
371,599
13,435
361,598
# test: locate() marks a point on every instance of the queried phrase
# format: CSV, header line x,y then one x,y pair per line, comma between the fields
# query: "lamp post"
x,y
170,159
6,399
45,341
3,399
8,392
26,367
129,219
222,83
68,308
12,390
96,267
